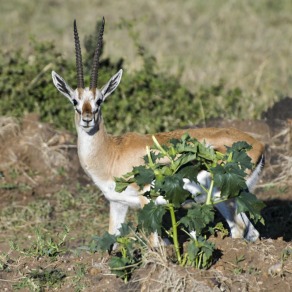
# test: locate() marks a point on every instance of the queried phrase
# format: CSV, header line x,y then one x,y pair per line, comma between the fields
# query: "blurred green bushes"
x,y
26,84
146,101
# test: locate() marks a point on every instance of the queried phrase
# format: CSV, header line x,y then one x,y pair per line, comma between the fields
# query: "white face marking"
x,y
88,107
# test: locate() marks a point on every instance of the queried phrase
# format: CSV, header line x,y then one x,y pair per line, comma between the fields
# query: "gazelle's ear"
x,y
112,84
62,86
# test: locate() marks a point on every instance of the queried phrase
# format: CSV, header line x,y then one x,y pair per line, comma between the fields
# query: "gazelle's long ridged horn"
x,y
95,64
79,66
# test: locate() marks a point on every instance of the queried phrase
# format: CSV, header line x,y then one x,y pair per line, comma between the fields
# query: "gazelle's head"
x,y
87,101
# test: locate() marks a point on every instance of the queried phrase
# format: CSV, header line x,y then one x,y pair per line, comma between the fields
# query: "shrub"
x,y
26,84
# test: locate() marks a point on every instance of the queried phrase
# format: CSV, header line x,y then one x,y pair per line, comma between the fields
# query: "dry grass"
x,y
9,127
281,144
158,274
245,43
32,146
280,164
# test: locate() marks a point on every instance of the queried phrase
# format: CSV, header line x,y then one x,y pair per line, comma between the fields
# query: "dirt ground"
x,y
43,189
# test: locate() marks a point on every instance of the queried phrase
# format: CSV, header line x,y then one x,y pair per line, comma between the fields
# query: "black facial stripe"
x,y
96,111
62,86
78,111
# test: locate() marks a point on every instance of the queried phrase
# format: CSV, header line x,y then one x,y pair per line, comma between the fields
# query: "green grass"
x,y
46,232
52,215
39,279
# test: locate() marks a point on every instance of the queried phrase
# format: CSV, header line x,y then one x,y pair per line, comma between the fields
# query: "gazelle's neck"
x,y
94,141
95,151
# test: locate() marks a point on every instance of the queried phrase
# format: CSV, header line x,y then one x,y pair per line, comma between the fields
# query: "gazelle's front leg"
x,y
119,204
118,212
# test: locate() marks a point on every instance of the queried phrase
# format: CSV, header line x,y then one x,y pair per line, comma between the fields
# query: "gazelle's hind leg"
x,y
239,224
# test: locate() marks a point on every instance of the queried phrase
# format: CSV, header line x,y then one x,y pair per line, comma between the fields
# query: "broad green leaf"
x,y
190,146
172,151
239,154
118,266
198,217
104,242
229,179
206,153
239,146
175,141
193,252
150,217
183,160
143,176
247,202
173,188
200,253
234,167
191,172
125,229
122,183
154,157
243,159
165,170
207,248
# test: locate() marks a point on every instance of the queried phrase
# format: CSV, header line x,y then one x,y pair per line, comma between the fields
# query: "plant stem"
x,y
174,233
209,195
160,148
150,162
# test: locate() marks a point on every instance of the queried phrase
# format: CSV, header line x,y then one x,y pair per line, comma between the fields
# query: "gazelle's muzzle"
x,y
87,117
87,120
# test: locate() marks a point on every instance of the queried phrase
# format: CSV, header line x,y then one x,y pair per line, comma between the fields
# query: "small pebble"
x,y
276,270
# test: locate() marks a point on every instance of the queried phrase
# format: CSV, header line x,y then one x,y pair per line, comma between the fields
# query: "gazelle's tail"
x,y
253,178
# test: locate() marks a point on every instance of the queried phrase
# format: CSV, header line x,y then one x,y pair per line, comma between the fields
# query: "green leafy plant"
x,y
186,158
128,258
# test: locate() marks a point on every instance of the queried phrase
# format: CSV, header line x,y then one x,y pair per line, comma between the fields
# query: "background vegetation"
x,y
223,58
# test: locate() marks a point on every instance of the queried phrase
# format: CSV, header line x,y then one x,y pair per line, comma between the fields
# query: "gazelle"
x,y
104,156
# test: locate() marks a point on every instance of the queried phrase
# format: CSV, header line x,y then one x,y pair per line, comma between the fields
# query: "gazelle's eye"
x,y
75,102
98,102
